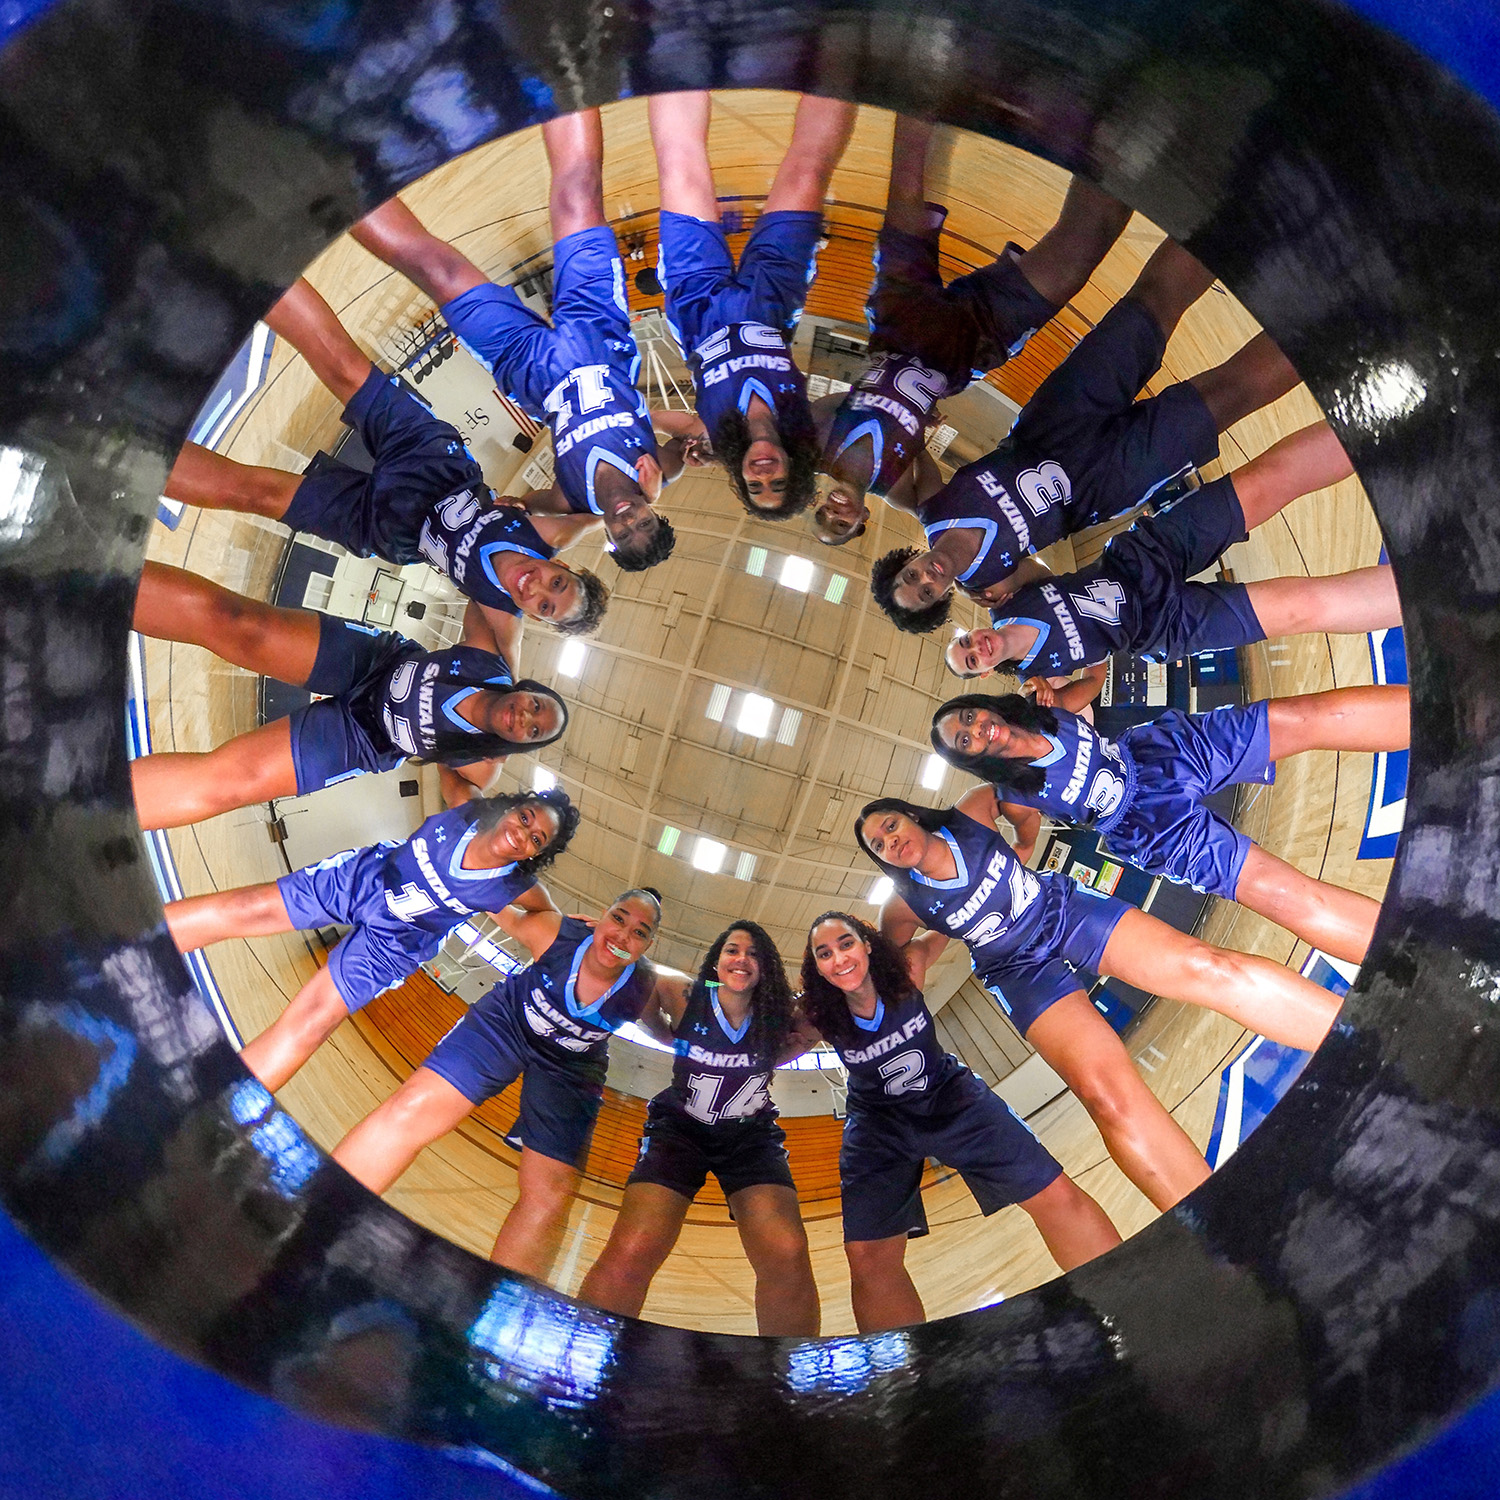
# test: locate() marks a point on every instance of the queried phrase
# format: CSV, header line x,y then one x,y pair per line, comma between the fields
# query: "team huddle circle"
x,y
786,712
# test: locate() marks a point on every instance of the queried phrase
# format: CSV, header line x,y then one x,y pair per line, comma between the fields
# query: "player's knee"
x,y
780,1250
240,625
1111,1095
1217,972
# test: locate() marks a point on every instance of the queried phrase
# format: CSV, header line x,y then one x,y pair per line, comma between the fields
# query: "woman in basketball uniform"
x,y
388,700
910,1100
1027,934
729,1029
547,1024
1145,791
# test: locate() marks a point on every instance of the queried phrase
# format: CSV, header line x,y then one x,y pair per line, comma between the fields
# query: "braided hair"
x,y
826,1006
771,1004
999,770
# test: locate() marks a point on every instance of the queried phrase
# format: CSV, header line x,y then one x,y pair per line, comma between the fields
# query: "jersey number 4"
x,y
1101,601
703,1089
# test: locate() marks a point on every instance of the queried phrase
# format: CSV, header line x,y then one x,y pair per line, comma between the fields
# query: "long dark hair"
x,y
771,1004
799,437
999,770
495,808
826,1006
929,819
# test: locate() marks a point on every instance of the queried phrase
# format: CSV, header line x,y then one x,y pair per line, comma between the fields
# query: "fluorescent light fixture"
x,y
718,701
791,722
934,768
797,573
755,564
542,780
834,593
755,715
878,893
708,856
668,840
571,658
744,867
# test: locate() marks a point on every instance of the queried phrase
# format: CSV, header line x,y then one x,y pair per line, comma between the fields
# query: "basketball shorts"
x,y
346,890
1180,760
590,321
1117,451
419,461
329,744
739,43
491,1047
885,1149
678,1152
1024,986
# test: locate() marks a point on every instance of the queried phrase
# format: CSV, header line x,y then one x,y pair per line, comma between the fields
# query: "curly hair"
x,y
799,437
656,548
771,1004
825,1005
929,819
495,808
595,600
999,770
883,577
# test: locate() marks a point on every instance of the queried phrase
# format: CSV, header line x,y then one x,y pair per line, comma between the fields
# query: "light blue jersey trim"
x,y
968,523
723,1020
754,387
591,464
456,861
871,429
875,1022
492,547
454,717
962,878
1054,755
1043,631
570,985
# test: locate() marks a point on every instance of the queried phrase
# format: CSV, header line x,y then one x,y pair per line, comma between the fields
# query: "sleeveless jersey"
x,y
461,537
715,1076
597,417
891,405
1090,780
426,885
1000,909
1083,618
895,1059
738,362
545,995
413,703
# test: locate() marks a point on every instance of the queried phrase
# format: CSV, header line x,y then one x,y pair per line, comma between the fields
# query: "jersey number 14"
x,y
703,1089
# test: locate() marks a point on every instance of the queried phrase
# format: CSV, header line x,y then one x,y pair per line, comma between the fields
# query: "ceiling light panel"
x,y
755,715
708,856
798,573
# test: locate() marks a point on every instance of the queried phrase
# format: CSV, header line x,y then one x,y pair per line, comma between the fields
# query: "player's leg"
x,y
1352,603
1061,262
1352,718
880,1286
1148,1145
529,1238
679,134
575,153
775,1241
386,1142
1073,1226
906,194
172,604
395,235
246,911
210,481
1310,459
1169,283
650,1220
315,1013
1340,922
311,327
1256,993
820,133
175,788
1253,377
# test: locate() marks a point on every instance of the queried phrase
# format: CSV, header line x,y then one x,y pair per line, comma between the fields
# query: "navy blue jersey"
x,y
413,702
998,907
735,363
1089,780
896,1059
545,994
715,1076
462,536
1082,618
423,882
597,417
890,405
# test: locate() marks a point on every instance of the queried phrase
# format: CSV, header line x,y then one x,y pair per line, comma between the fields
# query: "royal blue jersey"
x,y
735,363
715,1076
998,907
545,994
463,536
1089,781
890,405
1082,618
597,418
423,883
413,703
895,1060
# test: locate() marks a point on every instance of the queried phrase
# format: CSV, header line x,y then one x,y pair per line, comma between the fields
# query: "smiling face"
x,y
624,933
840,513
841,954
894,839
629,519
923,581
546,591
976,653
526,830
738,968
764,470
976,731
523,718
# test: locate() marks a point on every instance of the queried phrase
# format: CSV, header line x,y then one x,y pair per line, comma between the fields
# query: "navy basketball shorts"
x,y
329,744
1180,760
491,1047
885,1149
1116,450
678,1152
419,461
1026,985
742,44
1157,554
345,890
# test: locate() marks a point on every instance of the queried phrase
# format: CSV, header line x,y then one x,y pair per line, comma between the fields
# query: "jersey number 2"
x,y
903,1073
